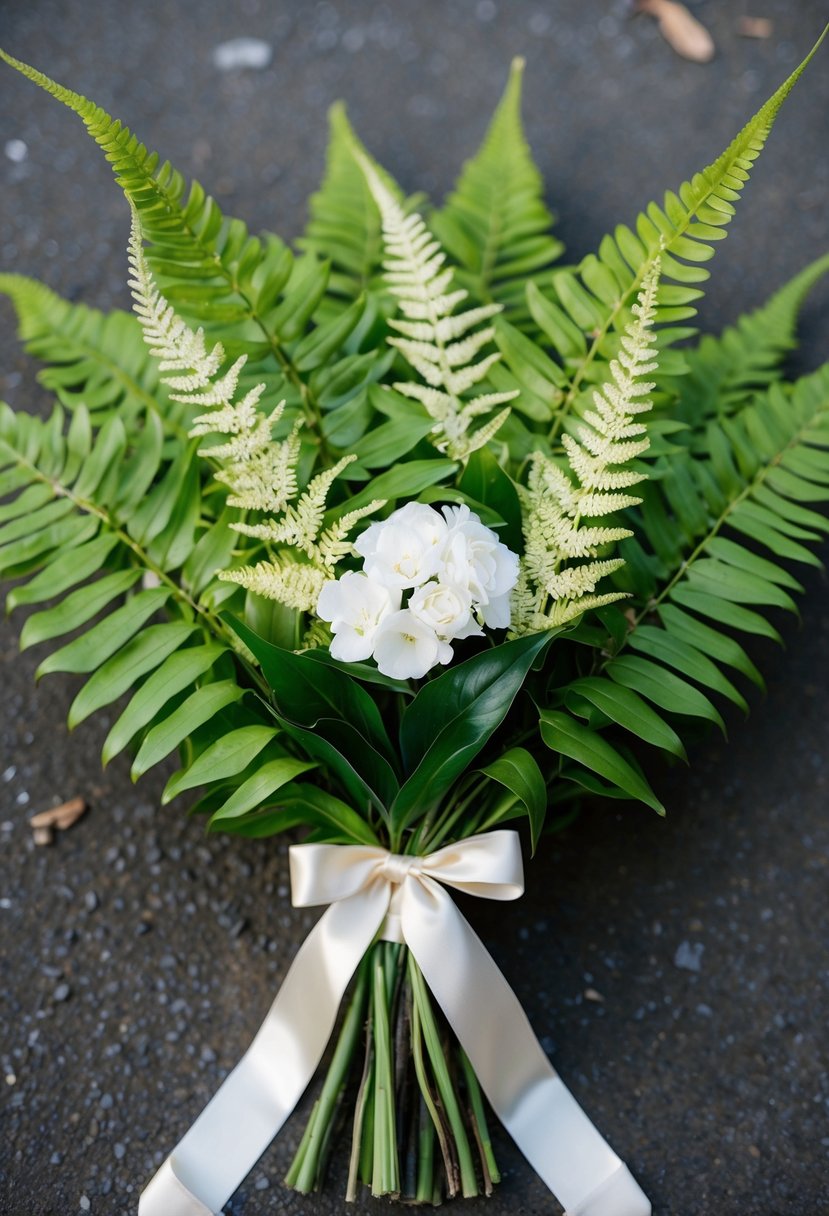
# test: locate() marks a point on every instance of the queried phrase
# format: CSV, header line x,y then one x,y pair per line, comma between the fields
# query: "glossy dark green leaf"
x,y
306,692
518,771
452,717
569,738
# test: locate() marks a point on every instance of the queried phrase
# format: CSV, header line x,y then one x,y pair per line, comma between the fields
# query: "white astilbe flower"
x,y
260,472
289,578
557,498
441,346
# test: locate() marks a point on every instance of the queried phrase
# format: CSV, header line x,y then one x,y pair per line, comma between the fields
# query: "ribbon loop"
x,y
403,898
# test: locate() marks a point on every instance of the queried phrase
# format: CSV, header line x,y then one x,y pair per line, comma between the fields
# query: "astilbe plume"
x,y
438,343
556,499
261,472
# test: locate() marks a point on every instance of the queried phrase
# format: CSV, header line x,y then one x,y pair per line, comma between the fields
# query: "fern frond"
x,y
284,578
344,221
260,472
93,358
554,505
494,224
262,297
723,526
86,519
724,372
586,309
416,274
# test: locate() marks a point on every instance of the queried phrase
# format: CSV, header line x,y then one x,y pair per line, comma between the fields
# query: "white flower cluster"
x,y
459,577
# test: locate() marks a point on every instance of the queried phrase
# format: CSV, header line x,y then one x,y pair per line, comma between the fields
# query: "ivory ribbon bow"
x,y
369,889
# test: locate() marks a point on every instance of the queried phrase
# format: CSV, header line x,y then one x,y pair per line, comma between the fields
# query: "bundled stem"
x,y
419,1126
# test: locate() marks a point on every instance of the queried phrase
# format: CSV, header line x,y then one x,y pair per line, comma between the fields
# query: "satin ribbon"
x,y
371,891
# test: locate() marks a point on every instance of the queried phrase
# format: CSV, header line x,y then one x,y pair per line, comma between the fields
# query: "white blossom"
x,y
447,609
404,550
355,605
475,558
405,648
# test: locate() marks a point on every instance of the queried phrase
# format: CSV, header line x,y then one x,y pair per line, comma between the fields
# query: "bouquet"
x,y
398,539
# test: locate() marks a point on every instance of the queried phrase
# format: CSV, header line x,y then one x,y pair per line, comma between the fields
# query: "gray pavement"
x,y
138,958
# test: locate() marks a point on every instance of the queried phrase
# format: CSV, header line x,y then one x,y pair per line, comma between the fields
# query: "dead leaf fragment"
x,y
681,29
755,27
60,817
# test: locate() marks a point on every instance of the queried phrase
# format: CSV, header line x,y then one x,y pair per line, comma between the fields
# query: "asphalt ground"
x,y
138,957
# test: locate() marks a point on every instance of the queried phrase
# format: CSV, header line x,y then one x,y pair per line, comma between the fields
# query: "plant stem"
x,y
385,1179
448,1097
305,1172
477,1117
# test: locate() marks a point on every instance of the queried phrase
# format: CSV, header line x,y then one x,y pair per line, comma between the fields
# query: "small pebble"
x,y
689,956
17,151
242,53
62,993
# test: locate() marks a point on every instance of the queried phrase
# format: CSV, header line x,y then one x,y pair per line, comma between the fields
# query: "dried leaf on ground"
x,y
755,27
61,817
681,29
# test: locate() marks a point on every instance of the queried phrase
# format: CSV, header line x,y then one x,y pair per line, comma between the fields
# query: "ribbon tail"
x,y
256,1098
537,1109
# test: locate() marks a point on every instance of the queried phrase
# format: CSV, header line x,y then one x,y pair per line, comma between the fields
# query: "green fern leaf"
x,y
344,223
95,359
724,372
495,224
597,297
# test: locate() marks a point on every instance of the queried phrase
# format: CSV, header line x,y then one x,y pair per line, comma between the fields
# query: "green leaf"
x,y
452,717
662,687
64,572
403,481
366,776
494,224
306,806
92,648
200,707
685,658
569,738
729,583
724,612
104,460
117,675
33,521
259,788
518,772
710,641
628,709
77,608
176,673
225,757
306,692
485,481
